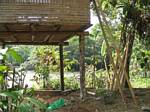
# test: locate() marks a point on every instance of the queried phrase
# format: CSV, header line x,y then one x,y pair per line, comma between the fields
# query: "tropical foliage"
x,y
124,22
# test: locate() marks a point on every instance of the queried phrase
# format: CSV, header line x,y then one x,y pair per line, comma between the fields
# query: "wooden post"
x,y
13,79
5,77
61,67
82,66
3,47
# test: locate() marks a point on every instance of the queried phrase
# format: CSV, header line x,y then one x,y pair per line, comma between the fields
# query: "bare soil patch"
x,y
100,103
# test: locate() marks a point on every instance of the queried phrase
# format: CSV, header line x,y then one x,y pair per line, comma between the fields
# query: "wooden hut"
x,y
45,22
34,21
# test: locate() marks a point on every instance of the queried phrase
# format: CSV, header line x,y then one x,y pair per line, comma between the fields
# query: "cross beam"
x,y
42,32
36,43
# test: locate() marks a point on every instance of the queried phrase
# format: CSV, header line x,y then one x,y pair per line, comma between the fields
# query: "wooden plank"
x,y
38,37
62,11
48,2
36,43
26,27
42,32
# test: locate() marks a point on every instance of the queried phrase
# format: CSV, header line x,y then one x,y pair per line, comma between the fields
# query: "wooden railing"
x,y
32,1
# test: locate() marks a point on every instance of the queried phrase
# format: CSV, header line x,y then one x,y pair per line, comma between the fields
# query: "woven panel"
x,y
45,11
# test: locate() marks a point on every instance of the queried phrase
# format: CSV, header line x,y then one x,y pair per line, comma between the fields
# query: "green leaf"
x,y
12,94
15,55
25,107
3,68
1,79
4,104
19,92
36,102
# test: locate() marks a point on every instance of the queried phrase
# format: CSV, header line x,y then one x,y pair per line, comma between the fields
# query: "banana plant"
x,y
5,55
14,100
20,101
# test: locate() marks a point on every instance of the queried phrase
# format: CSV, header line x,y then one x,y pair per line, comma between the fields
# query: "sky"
x,y
94,20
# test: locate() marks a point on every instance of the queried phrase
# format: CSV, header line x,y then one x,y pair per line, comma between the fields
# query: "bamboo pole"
x,y
127,78
117,51
109,51
109,76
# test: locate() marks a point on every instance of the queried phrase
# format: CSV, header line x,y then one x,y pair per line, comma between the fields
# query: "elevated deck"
x,y
30,21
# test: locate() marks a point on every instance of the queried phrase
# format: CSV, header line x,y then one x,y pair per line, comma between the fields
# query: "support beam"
x,y
42,32
3,85
33,27
35,43
82,66
61,67
14,38
51,38
46,38
3,47
7,29
75,33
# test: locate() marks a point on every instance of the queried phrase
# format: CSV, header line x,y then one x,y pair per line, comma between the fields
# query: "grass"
x,y
140,82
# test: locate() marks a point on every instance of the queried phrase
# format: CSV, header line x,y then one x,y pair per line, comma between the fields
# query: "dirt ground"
x,y
108,103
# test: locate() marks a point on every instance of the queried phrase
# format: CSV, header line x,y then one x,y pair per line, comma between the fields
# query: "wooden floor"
x,y
38,33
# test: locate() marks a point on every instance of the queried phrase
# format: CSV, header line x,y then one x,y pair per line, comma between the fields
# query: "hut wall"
x,y
45,11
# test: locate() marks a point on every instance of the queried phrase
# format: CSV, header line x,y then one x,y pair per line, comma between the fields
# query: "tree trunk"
x,y
130,40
